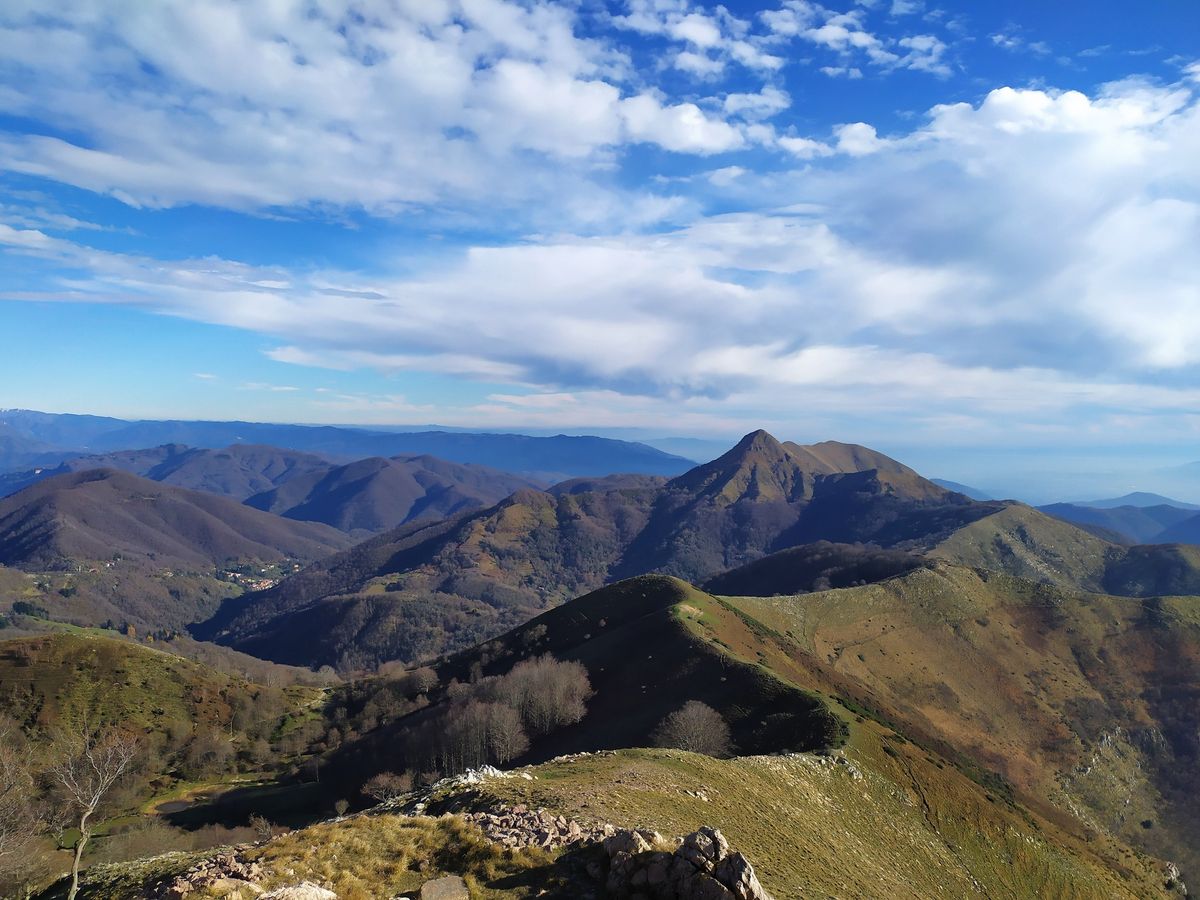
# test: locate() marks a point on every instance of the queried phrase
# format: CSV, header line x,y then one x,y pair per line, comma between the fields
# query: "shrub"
x,y
695,727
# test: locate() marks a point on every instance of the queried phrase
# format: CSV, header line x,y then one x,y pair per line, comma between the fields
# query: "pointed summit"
x,y
758,467
758,441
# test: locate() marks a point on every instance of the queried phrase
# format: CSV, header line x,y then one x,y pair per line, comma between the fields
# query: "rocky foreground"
x,y
625,863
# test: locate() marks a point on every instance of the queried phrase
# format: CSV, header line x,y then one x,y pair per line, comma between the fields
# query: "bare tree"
x,y
387,786
506,738
697,727
548,693
91,763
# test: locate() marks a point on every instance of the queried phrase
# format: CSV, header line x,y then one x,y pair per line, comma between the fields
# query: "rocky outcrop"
x,y
519,826
701,867
224,875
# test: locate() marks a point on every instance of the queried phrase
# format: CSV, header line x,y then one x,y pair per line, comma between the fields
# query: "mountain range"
x,y
362,497
1140,518
32,439
422,590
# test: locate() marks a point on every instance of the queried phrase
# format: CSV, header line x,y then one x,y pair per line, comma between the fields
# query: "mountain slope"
x,y
422,590
369,495
965,489
1137,498
881,816
1184,532
1087,704
1021,541
100,513
18,450
1025,542
493,569
814,567
112,547
55,679
649,644
373,495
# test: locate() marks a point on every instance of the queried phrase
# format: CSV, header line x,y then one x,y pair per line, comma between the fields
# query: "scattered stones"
x,y
224,875
521,827
451,887
305,890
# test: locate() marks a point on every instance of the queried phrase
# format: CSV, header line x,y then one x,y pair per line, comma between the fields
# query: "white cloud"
x,y
1029,258
696,29
766,103
925,54
683,127
804,148
260,106
726,176
858,139
851,72
699,64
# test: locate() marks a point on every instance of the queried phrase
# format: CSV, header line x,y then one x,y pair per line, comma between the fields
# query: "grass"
x,y
365,857
901,828
1058,692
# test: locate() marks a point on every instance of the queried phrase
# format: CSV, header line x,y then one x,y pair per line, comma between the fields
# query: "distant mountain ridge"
x,y
1137,499
363,497
1137,524
48,438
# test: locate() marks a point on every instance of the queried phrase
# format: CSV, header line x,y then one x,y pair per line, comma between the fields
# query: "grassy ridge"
x,y
893,823
1085,703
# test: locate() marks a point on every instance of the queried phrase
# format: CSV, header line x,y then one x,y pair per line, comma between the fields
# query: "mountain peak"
x,y
760,441
758,467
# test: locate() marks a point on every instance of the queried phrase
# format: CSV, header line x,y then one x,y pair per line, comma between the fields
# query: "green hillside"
x,y
1087,704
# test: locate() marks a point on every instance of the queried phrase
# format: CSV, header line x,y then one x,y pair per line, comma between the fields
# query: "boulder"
x,y
736,873
451,887
305,890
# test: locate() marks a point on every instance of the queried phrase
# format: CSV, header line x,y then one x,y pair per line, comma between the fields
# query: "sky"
x,y
964,233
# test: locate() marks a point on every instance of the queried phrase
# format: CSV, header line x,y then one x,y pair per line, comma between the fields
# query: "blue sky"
x,y
964,233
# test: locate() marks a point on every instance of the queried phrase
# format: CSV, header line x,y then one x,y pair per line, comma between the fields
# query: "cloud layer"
x,y
1012,266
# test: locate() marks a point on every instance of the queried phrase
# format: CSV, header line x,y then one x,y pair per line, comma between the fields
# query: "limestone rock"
x,y
451,887
736,873
305,890
703,867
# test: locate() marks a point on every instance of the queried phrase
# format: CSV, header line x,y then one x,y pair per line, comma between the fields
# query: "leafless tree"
x,y
90,764
548,693
697,727
505,735
387,786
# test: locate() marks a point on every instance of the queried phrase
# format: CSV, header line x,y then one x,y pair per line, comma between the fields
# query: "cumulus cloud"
x,y
1037,248
847,35
261,106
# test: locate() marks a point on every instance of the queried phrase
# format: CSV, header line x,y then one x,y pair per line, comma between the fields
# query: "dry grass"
x,y
371,856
